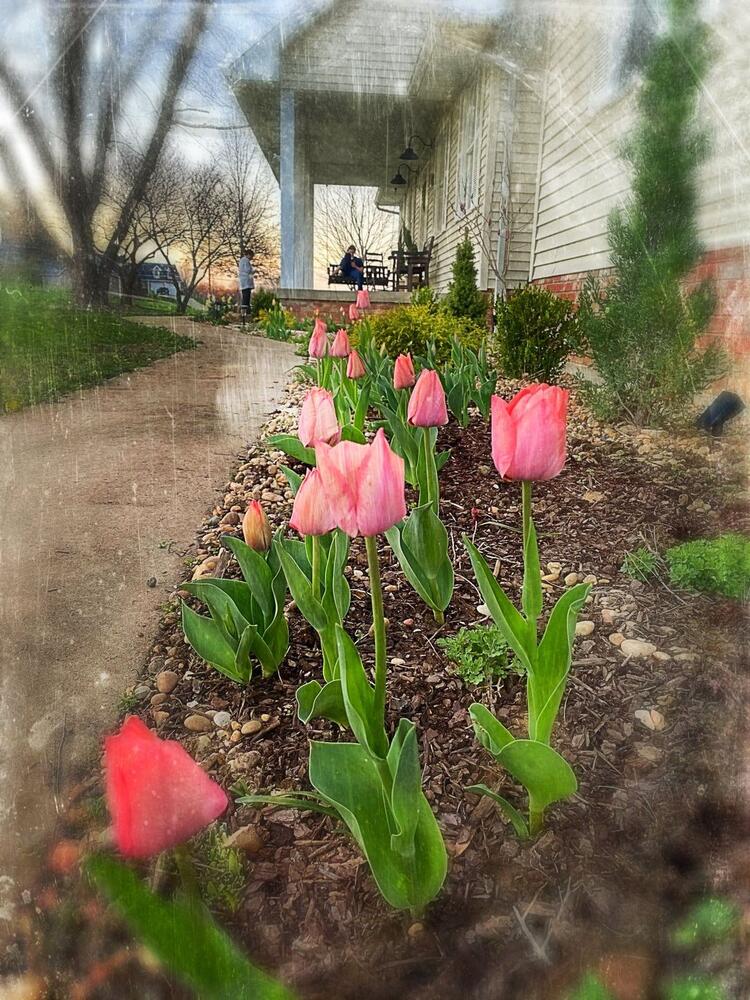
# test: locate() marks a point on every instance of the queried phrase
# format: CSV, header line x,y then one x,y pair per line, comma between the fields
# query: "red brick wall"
x,y
332,312
730,270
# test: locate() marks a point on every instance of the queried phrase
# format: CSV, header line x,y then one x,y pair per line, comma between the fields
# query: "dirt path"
x,y
93,490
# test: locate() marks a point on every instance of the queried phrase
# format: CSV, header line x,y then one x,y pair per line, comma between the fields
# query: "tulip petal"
x,y
381,499
312,514
340,469
503,435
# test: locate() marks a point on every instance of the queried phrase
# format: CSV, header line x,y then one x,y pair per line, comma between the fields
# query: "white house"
x,y
514,116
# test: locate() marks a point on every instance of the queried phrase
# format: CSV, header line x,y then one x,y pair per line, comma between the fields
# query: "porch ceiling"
x,y
348,138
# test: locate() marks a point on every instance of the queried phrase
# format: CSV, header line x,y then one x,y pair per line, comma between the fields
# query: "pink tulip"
x,y
318,347
157,795
528,434
255,527
403,372
364,484
317,419
427,404
341,348
355,367
363,299
311,514
354,313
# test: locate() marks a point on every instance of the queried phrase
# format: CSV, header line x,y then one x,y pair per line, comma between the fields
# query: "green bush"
x,y
480,654
411,328
535,333
718,566
425,296
464,298
261,301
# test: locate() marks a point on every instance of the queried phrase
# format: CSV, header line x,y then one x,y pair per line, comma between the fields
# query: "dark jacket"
x,y
347,261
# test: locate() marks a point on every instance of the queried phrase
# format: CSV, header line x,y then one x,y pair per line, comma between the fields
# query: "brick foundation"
x,y
730,270
333,305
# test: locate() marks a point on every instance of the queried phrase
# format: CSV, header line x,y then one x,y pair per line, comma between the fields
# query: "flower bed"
x,y
655,800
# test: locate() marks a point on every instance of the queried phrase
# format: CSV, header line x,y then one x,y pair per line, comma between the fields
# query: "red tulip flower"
x,y
427,404
341,348
255,528
311,514
354,313
528,434
403,372
318,347
355,367
363,299
317,419
364,484
157,795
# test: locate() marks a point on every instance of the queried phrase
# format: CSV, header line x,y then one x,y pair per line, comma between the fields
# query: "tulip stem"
x,y
430,470
378,624
316,567
526,505
186,871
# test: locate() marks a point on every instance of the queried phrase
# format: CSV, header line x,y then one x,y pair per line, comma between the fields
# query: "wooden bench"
x,y
376,273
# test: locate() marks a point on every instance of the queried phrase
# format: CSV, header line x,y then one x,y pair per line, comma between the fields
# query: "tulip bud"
x,y
528,434
341,348
255,528
318,347
354,313
403,372
355,368
317,419
427,406
363,299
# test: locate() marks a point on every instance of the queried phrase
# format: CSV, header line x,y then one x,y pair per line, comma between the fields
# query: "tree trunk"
x,y
90,279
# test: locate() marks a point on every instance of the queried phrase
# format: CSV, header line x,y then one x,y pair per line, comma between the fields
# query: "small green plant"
x,y
425,296
535,333
590,988
464,298
717,566
276,323
261,301
710,921
220,871
480,654
641,563
409,330
128,701
695,988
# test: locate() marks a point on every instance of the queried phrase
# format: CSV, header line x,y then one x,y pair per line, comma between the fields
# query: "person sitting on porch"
x,y
352,267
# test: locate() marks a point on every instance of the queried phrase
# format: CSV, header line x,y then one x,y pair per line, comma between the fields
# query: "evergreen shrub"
x,y
409,329
534,334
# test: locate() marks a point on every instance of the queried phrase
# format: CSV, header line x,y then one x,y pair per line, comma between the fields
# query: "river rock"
x,y
637,648
198,724
251,727
617,638
571,579
245,839
222,719
584,628
167,681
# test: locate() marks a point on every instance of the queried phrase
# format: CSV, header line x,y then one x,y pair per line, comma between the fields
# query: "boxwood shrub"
x,y
409,328
534,334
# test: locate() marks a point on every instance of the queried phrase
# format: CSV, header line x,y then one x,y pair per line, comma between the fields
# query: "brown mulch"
x,y
656,823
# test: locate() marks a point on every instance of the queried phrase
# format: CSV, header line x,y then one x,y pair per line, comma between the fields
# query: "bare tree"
x,y
73,131
347,215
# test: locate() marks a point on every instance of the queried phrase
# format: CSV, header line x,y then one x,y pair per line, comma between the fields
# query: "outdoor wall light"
x,y
399,180
408,153
725,407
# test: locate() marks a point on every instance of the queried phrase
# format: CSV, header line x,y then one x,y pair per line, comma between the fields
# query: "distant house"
x,y
511,126
162,279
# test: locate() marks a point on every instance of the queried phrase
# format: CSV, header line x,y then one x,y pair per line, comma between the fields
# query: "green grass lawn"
x,y
48,347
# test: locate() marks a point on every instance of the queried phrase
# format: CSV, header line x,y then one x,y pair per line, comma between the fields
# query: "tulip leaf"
x,y
242,662
237,590
298,800
547,684
257,573
490,732
545,775
316,701
532,578
347,777
223,610
407,787
363,402
336,591
209,642
441,458
359,698
301,590
512,624
182,935
420,543
291,445
293,478
351,433
509,811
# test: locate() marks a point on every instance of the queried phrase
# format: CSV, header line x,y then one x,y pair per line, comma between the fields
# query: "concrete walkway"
x,y
93,489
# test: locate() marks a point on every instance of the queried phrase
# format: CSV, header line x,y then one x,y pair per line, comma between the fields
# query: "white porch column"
x,y
297,201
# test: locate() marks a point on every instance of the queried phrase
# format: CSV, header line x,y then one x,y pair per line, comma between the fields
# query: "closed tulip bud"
x,y
528,434
354,313
427,404
403,372
157,796
311,514
355,368
364,484
318,347
255,528
363,299
317,419
341,348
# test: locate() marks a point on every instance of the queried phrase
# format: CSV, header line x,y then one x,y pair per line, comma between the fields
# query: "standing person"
x,y
352,267
246,281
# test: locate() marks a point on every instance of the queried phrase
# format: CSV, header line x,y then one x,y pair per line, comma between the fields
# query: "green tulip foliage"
x,y
546,776
420,544
247,620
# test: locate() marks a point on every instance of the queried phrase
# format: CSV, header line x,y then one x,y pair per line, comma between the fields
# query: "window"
x,y
467,189
440,189
622,48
